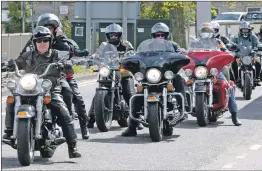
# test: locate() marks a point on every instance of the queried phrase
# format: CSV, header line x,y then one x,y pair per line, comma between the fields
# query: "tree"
x,y
15,25
67,26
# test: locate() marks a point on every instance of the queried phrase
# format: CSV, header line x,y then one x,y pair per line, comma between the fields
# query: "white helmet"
x,y
216,27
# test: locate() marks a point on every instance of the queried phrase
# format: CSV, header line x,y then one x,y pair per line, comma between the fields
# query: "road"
x,y
219,146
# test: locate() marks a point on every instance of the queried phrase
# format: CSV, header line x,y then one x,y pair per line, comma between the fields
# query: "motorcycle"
x,y
109,103
246,60
209,94
35,128
154,66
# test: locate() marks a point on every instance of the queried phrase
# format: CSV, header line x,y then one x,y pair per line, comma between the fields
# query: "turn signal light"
x,y
237,60
188,82
23,113
139,89
122,70
255,59
214,80
170,87
47,99
151,98
10,100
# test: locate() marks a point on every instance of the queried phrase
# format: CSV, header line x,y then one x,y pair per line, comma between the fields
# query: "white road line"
x,y
255,147
242,156
228,166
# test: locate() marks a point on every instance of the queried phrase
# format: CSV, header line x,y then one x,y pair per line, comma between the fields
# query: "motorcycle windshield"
x,y
155,53
244,51
206,52
107,55
201,50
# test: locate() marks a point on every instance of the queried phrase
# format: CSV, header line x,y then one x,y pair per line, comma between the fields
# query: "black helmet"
x,y
160,28
49,19
116,31
41,32
245,29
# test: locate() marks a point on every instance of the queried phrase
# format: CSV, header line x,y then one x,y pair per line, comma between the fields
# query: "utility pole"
x,y
23,15
32,16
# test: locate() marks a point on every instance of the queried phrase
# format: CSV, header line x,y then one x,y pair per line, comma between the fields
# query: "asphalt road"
x,y
218,146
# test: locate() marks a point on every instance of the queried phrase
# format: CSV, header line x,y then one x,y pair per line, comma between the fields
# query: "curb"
x,y
78,77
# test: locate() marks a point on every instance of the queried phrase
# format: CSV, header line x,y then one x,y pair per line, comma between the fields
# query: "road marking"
x,y
228,166
241,156
255,147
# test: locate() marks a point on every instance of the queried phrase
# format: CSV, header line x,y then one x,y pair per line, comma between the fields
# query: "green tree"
x,y
177,11
67,26
15,25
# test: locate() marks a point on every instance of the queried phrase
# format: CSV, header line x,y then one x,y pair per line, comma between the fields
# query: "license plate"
x,y
200,88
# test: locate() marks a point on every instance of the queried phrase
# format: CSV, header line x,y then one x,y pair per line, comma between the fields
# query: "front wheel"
x,y
25,142
201,109
103,111
155,122
247,89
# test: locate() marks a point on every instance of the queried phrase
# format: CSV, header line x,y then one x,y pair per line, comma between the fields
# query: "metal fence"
x,y
12,44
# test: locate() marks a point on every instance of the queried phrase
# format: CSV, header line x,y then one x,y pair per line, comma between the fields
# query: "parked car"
x,y
254,16
230,17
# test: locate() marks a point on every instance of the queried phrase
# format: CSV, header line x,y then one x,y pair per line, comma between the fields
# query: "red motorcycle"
x,y
209,94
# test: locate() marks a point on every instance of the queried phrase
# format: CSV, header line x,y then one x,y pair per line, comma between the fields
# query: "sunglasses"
x,y
160,35
42,40
114,35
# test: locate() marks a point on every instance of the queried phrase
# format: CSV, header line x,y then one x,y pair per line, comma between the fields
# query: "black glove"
x,y
11,63
82,53
68,64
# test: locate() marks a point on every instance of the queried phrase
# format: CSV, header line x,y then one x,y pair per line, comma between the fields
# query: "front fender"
x,y
26,111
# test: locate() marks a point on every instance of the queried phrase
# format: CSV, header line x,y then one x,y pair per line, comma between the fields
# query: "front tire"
x,y
25,142
102,108
155,122
201,109
247,89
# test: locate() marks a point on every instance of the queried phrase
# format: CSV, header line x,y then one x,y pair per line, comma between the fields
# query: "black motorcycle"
x,y
35,128
245,60
154,67
109,103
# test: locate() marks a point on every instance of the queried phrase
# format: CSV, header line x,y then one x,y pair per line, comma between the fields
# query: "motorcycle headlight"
x,y
246,60
46,84
201,72
139,76
169,75
11,85
213,71
28,82
153,75
188,72
104,71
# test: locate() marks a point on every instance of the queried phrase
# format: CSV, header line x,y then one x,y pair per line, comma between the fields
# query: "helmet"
x,y
114,33
49,19
216,27
206,30
160,28
41,32
245,29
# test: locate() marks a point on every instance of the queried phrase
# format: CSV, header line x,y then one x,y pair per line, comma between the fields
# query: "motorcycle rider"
x,y
245,37
42,39
259,34
161,31
206,35
113,34
70,90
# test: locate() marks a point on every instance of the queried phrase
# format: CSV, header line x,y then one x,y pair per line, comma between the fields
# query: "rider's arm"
x,y
255,41
60,43
20,61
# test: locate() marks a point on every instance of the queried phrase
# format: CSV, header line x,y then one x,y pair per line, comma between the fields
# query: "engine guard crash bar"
x,y
146,110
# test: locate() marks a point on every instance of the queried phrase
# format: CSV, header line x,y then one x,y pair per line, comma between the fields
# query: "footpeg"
x,y
58,141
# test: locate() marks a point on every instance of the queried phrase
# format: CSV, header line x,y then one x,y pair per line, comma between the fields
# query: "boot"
x,y
140,125
8,134
85,133
91,121
131,129
235,120
72,150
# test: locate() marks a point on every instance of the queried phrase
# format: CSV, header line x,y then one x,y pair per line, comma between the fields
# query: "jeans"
x,y
232,105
